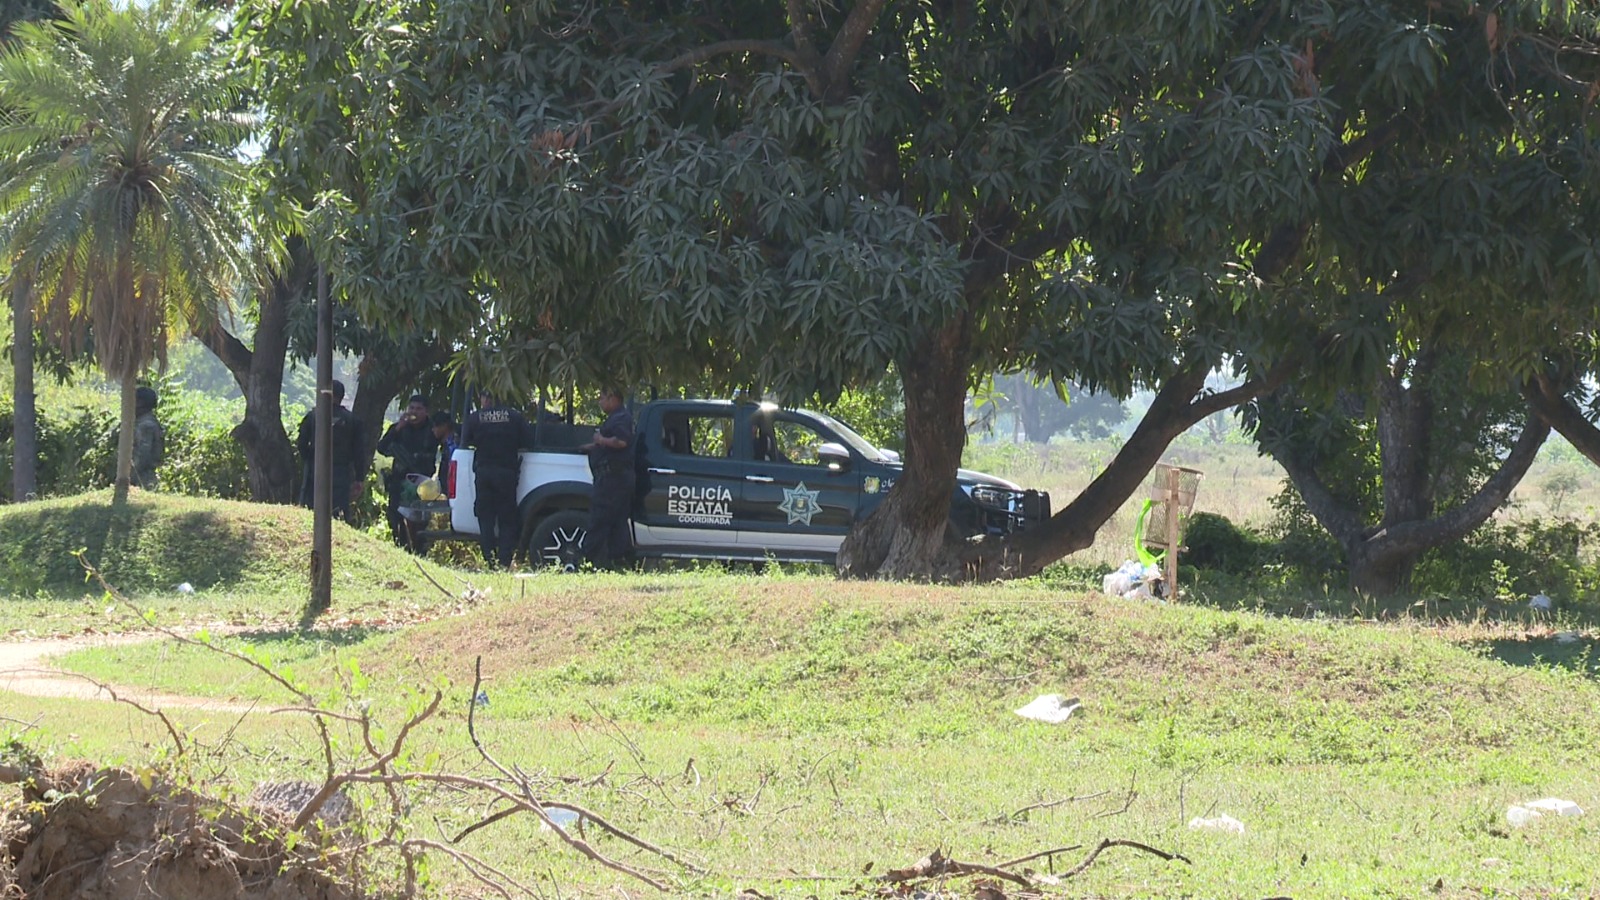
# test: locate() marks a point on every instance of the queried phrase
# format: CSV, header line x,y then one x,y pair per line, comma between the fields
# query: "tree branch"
x,y
1490,496
228,349
1550,402
1340,520
800,32
846,45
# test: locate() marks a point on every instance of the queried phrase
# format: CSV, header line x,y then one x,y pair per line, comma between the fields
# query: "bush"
x,y
78,447
1213,542
1513,560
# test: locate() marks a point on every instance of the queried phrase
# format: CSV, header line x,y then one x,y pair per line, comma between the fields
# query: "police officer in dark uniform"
x,y
496,433
347,454
410,442
611,464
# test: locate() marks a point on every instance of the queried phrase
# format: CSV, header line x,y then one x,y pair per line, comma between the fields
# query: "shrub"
x,y
1213,542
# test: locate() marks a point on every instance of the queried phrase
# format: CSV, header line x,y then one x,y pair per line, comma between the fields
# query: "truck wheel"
x,y
558,540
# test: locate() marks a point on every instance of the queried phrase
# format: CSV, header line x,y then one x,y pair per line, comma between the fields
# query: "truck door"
x,y
692,478
795,499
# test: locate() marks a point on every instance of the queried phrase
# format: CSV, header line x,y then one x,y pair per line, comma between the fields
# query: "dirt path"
x,y
25,669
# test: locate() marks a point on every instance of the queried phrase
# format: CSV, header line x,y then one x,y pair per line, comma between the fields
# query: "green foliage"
x,y
1513,560
202,457
1308,554
876,413
1213,542
78,445
77,448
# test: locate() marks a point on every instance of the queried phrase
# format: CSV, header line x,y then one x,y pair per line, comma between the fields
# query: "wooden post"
x,y
322,465
1172,534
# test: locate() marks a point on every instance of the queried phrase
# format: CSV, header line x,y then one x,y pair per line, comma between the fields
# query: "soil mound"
x,y
86,833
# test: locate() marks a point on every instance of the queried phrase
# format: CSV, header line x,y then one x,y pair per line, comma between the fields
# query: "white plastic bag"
x,y
1225,824
1051,708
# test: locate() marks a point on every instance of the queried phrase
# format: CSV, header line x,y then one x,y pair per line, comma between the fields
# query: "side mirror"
x,y
834,456
891,455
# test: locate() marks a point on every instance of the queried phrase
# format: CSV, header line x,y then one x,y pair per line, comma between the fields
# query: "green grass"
x,y
875,722
248,564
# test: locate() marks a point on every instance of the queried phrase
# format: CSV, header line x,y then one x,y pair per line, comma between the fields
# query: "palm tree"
x,y
120,190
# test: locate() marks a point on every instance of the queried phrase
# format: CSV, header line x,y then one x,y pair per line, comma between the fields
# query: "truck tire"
x,y
557,540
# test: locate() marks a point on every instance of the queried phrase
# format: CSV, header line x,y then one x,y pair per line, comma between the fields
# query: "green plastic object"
x,y
1146,558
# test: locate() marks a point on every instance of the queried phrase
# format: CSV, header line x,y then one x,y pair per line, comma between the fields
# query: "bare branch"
x,y
1033,856
115,697
1109,843
1050,804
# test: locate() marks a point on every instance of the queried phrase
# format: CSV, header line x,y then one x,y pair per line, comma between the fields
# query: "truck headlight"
x,y
991,496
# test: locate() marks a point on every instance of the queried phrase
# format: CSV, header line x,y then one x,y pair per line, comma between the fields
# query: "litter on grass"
x,y
1520,815
1542,601
1224,823
1051,708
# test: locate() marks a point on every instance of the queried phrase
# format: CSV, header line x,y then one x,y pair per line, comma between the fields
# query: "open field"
x,y
771,726
787,730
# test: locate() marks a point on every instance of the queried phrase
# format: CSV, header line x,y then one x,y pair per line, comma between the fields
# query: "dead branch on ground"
x,y
937,865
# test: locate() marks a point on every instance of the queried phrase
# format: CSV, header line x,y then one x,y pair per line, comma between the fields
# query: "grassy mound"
x,y
804,725
154,542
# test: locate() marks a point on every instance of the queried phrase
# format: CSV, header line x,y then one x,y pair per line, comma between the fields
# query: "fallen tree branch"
x,y
1047,804
115,697
530,802
433,581
1040,855
937,865
1108,843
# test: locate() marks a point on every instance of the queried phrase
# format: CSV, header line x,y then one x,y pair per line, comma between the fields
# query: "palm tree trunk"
x,y
24,417
130,386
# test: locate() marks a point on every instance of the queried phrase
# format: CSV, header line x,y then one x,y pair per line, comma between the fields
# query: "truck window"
x,y
797,443
708,436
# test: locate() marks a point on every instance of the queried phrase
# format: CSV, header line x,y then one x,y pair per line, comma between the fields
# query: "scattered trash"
x,y
1559,807
1567,637
1542,601
562,817
1223,823
482,699
1520,815
1135,581
186,588
1051,708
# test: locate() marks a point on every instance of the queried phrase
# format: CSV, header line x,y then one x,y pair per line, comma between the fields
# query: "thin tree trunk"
x,y
258,370
24,415
130,387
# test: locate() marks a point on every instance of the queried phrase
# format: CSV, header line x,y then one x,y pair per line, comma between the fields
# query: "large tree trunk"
x,y
1382,558
130,412
269,455
24,414
905,537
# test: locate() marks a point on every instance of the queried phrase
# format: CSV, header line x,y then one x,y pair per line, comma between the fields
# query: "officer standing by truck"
x,y
496,433
347,454
414,449
611,464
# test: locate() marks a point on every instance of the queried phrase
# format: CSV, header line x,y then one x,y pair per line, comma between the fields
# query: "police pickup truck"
x,y
721,480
